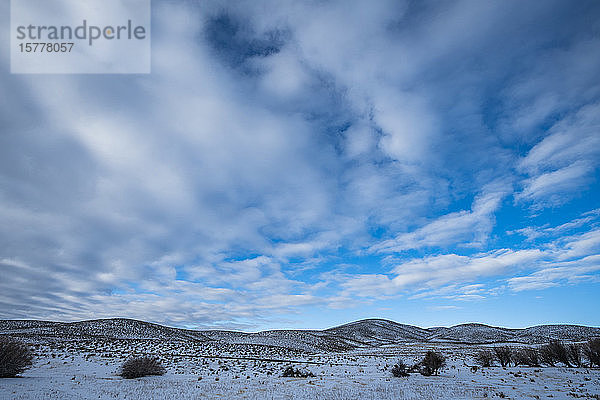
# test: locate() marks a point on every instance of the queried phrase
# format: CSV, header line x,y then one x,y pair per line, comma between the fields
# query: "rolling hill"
x,y
359,334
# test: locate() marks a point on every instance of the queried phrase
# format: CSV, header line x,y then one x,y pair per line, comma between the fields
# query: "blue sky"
x,y
302,164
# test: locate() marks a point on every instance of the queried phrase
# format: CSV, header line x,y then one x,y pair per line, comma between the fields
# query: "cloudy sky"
x,y
308,163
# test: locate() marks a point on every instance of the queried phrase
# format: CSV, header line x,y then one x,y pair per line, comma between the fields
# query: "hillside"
x,y
359,334
114,328
474,333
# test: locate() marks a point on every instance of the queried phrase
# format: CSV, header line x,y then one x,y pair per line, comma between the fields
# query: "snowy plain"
x,y
352,375
82,362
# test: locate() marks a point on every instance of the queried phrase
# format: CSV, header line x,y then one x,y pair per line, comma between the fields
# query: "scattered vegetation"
x,y
560,351
15,357
555,352
592,352
550,354
291,372
503,355
547,355
432,363
485,358
142,366
400,370
574,355
526,356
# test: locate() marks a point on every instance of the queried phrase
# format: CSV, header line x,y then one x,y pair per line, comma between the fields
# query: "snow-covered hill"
x,y
367,333
114,328
377,332
472,333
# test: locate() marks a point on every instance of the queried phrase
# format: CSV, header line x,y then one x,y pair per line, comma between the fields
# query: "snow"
x,y
359,334
352,375
82,360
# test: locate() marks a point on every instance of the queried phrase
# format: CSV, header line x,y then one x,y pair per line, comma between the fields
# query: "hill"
x,y
359,334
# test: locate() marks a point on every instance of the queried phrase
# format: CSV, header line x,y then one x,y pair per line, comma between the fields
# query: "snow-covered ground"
x,y
74,371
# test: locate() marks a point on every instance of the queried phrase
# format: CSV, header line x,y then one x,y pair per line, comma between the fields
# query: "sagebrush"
x,y
503,355
142,366
432,363
291,372
526,356
400,370
15,357
592,352
485,358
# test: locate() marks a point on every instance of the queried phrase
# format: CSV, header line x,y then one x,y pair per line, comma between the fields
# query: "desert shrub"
x,y
291,372
142,366
560,351
554,352
485,358
547,355
592,352
526,356
15,357
432,363
400,370
574,354
503,355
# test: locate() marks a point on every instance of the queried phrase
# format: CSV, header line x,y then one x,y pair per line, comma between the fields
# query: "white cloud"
x,y
564,161
568,259
187,192
552,187
468,228
437,271
532,233
579,245
558,274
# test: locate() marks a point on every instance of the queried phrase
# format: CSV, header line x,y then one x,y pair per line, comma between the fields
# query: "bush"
x,y
485,358
574,354
400,370
526,356
291,372
432,363
15,357
142,366
557,351
504,355
592,352
547,355
560,352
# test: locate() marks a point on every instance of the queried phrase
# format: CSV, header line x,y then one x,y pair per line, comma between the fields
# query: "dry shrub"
x,y
432,363
400,370
15,357
526,356
291,372
592,352
504,355
485,358
142,366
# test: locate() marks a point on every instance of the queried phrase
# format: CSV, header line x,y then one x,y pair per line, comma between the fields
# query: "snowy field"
x,y
70,370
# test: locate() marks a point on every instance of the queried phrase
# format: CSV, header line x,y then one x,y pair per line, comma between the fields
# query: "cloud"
x,y
275,141
579,245
566,259
558,274
552,186
564,161
436,271
439,270
469,228
532,233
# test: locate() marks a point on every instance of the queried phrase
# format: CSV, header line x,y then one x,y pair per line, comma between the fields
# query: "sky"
x,y
303,164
